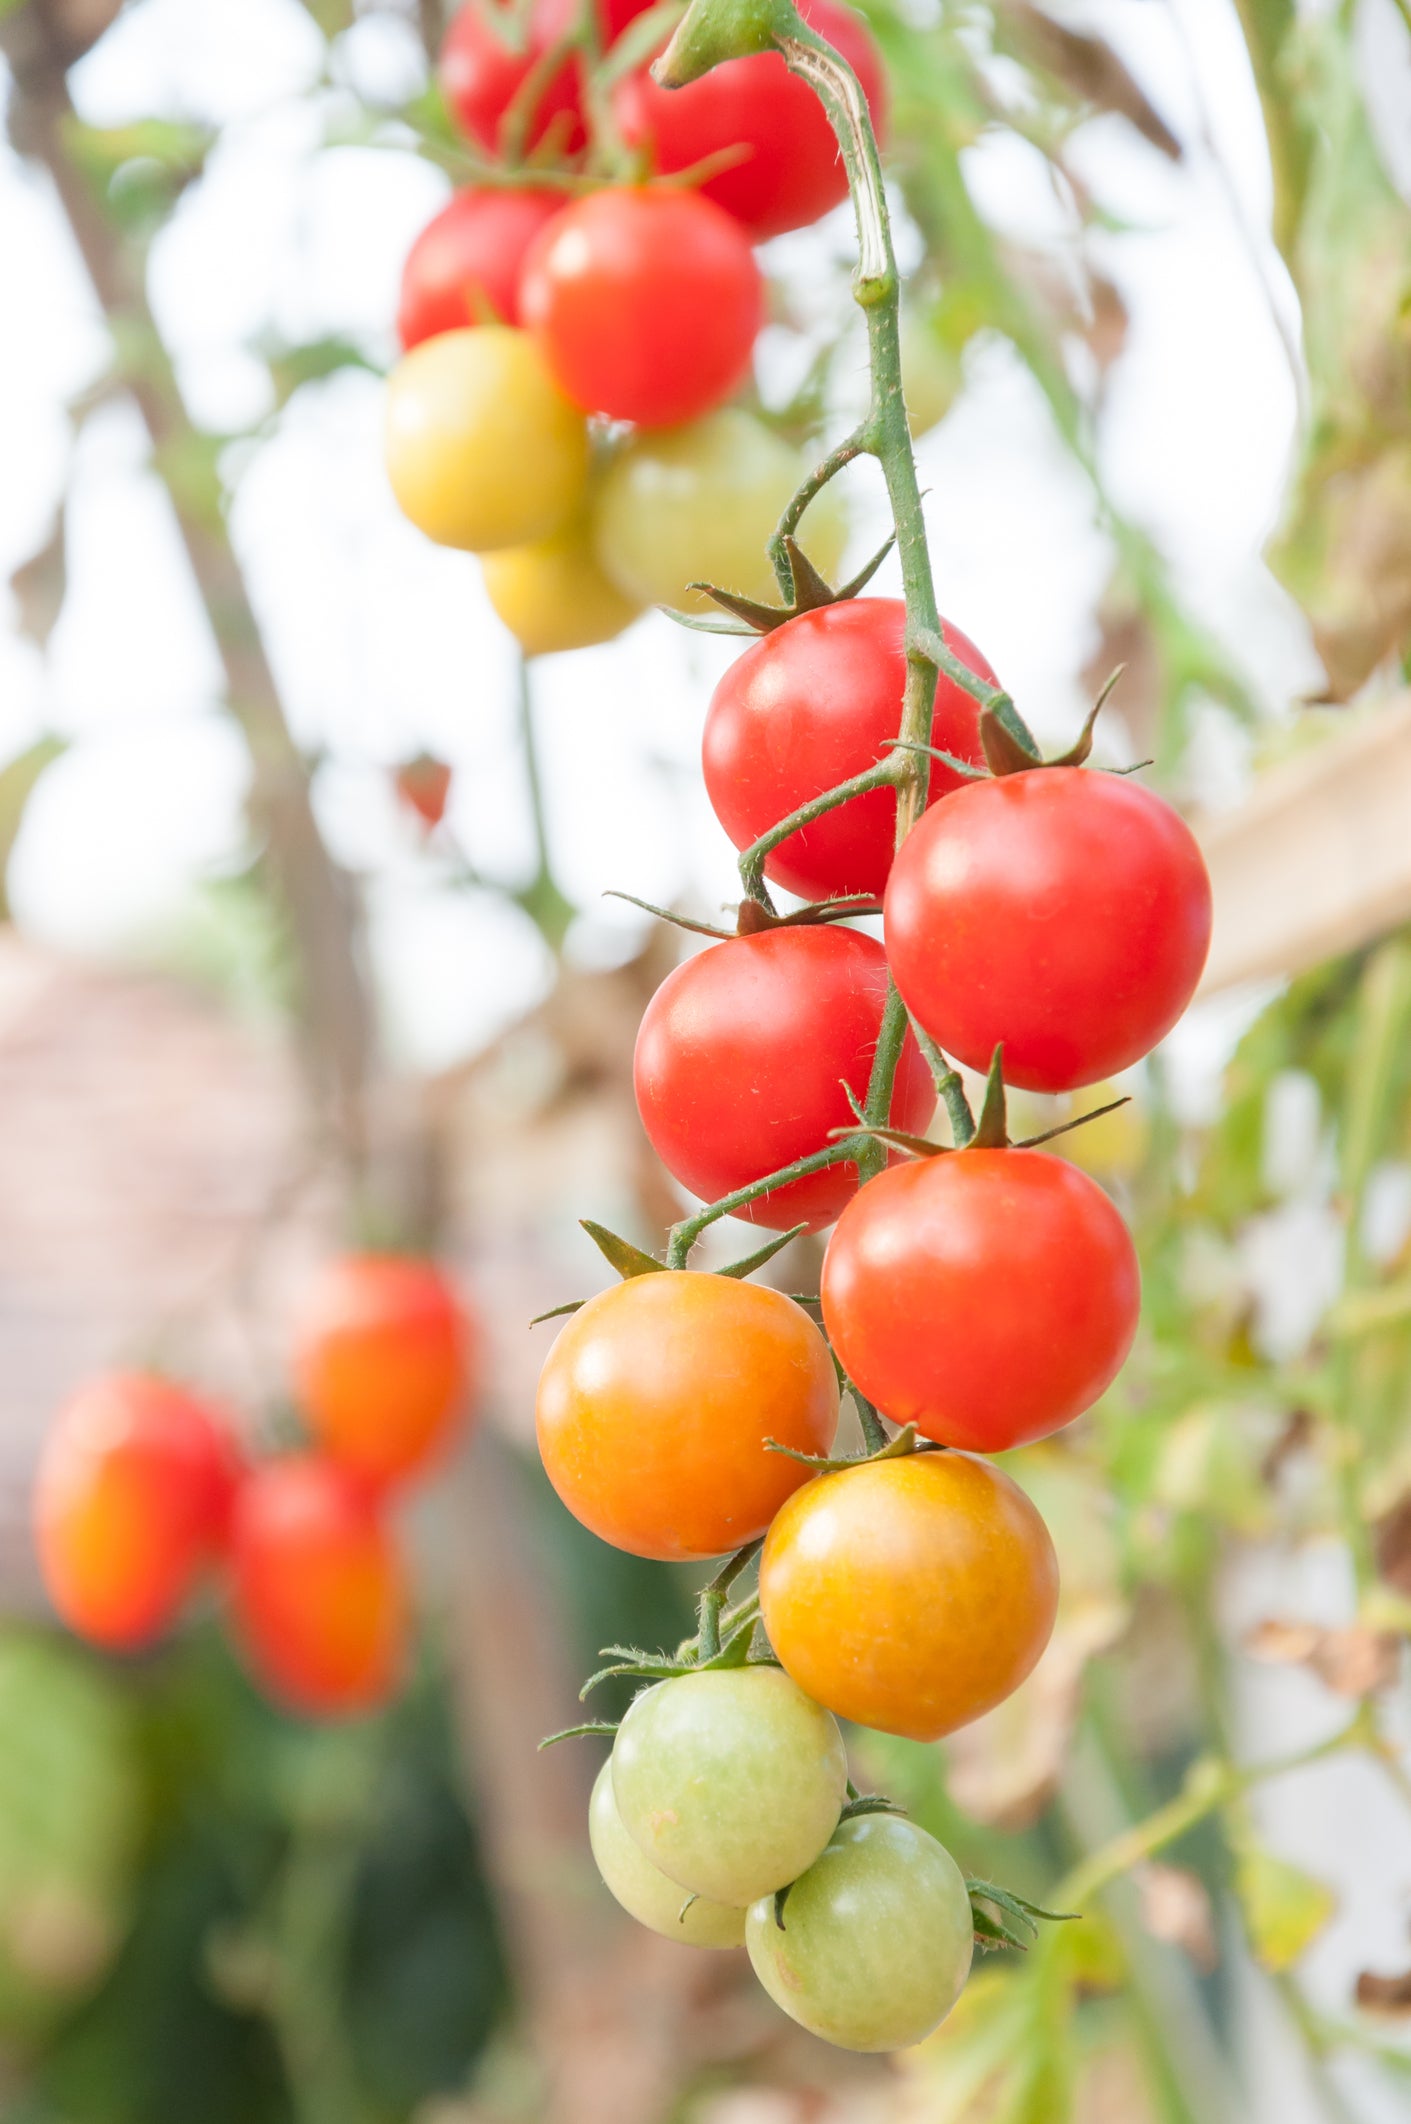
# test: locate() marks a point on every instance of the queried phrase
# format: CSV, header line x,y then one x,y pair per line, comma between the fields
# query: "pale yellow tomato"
x,y
698,503
553,594
1115,1145
930,372
483,449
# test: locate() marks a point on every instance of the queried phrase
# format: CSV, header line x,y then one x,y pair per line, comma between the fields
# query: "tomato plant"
x,y
383,1364
788,170
483,449
730,1782
656,1401
554,595
318,1599
697,503
1062,912
987,1296
912,1594
645,302
131,1506
644,1891
464,267
873,1945
808,706
744,1058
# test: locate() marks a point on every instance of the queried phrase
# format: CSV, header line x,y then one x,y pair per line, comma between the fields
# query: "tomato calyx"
x,y
752,916
809,591
1004,1919
901,1447
990,1132
630,1260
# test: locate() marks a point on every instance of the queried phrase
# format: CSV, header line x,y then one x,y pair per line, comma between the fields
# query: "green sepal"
x,y
590,1725
811,592
764,1253
898,1448
899,1138
1007,741
556,1312
992,1128
665,914
781,1897
1079,751
1011,1920
1065,1128
627,1259
971,772
869,1803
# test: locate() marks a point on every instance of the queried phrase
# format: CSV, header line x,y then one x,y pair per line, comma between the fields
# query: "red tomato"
x,y
909,1595
486,59
742,1057
382,1364
318,1595
424,784
987,1296
655,1403
132,1503
791,171
645,303
809,706
464,267
1062,911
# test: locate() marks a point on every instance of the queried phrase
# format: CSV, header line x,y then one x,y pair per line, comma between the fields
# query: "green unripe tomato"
x,y
698,504
644,1891
730,1782
877,1937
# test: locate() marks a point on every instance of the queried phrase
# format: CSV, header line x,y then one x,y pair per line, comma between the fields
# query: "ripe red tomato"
x,y
1063,912
645,303
318,1596
987,1296
742,1057
909,1595
383,1363
792,171
132,1503
655,1403
464,267
809,706
486,58
424,784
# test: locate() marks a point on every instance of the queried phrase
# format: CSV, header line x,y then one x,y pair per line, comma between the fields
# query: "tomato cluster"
x,y
142,1493
978,1296
570,345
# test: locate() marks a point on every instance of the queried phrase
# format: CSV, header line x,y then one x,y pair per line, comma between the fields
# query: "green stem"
x,y
683,1236
752,859
713,1596
853,446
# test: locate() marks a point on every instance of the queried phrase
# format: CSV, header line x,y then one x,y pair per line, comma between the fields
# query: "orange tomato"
x,y
656,1401
131,1504
382,1364
911,1595
318,1596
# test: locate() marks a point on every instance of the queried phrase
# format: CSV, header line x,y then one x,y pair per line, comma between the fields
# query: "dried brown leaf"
x,y
1352,1662
1090,68
1176,1907
1387,1995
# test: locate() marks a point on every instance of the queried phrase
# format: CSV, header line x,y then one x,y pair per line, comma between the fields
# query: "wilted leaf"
x,y
1352,1662
1175,1907
1284,1908
1388,1995
1090,68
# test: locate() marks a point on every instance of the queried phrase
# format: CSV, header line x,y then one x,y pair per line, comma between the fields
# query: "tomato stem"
x,y
684,1235
890,771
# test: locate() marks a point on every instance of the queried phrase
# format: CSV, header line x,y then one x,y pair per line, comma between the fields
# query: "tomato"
x,y
791,171
910,1595
657,1398
483,450
465,265
931,373
554,595
1062,911
809,706
424,784
645,303
876,1939
487,56
697,504
742,1057
987,1296
318,1598
644,1891
132,1503
382,1364
730,1782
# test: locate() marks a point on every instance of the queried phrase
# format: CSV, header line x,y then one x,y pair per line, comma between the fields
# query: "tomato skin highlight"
x,y
464,267
384,1360
483,450
792,172
807,707
655,1402
909,1595
1063,912
742,1056
730,1782
876,1941
132,1504
318,1597
987,1296
645,303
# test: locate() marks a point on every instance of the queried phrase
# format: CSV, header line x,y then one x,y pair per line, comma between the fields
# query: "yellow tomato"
x,y
553,595
698,503
1112,1147
483,449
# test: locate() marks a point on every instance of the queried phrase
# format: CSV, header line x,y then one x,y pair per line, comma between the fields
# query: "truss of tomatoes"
x,y
540,316
1046,923
143,1494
